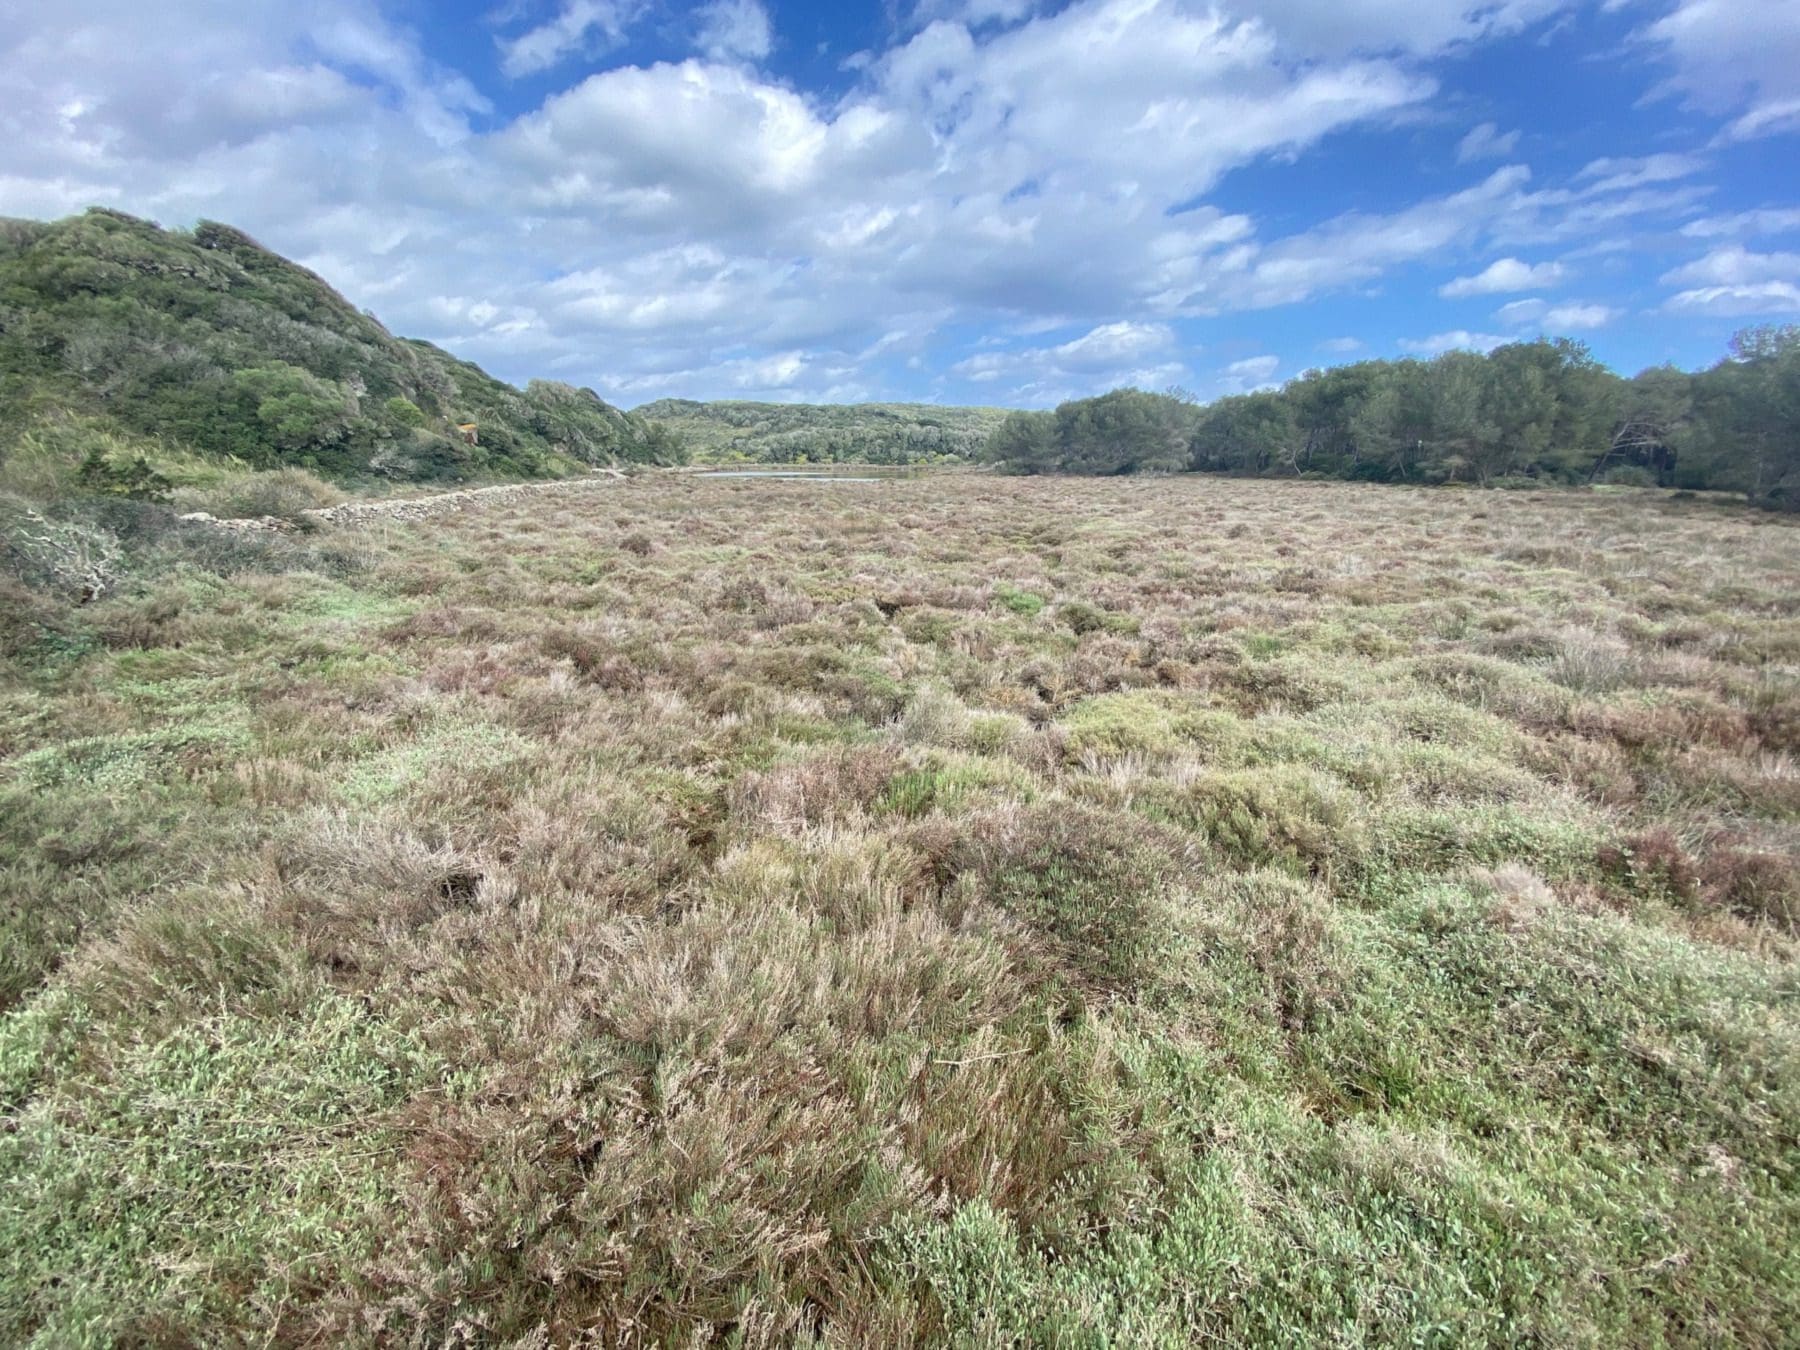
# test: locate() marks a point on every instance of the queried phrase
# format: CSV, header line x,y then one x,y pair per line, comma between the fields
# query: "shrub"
x,y
1286,817
1098,885
1758,884
70,557
1652,865
281,494
123,477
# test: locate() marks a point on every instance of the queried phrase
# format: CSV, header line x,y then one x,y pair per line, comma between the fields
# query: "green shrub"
x,y
1019,602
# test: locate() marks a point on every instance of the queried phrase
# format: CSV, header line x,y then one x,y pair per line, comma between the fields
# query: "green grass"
x,y
1276,914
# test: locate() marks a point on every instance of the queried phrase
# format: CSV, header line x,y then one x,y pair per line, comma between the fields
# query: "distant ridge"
x,y
827,433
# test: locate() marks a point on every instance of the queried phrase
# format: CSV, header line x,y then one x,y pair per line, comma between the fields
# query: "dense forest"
x,y
142,353
1535,412
814,433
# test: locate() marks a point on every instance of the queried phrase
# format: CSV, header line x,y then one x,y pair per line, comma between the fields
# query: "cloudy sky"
x,y
994,201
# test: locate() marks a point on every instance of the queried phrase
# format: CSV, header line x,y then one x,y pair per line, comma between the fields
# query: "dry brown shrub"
x,y
840,782
1756,883
446,621
1598,768
1652,865
1774,717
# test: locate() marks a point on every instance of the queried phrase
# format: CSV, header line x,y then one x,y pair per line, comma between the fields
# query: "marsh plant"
x,y
963,910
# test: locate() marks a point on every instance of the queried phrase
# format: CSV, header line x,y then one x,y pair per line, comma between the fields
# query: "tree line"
x,y
1528,412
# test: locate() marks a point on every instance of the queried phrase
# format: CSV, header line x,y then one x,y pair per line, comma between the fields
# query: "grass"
x,y
715,911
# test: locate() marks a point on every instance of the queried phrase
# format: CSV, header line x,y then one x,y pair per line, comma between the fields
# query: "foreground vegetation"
x,y
1525,414
803,433
951,910
137,360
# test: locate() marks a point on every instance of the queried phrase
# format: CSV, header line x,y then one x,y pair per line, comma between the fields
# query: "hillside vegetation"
x,y
796,433
963,911
135,359
1527,413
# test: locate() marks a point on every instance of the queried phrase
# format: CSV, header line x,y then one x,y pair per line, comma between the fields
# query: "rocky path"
x,y
415,508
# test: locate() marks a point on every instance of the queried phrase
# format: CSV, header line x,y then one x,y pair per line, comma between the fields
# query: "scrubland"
x,y
958,910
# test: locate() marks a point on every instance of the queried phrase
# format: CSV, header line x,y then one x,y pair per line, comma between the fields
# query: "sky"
x,y
1006,202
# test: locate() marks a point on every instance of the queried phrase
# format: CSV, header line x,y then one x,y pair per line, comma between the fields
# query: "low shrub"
x,y
285,494
1098,885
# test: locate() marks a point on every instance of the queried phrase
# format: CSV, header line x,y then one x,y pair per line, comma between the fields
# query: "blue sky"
x,y
993,201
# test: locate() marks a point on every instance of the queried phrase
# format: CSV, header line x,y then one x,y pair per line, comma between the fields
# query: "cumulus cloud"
x,y
1002,167
1104,357
1502,275
1486,142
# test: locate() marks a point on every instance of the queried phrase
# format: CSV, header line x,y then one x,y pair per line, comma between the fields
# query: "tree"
x,y
1748,407
1024,443
1243,433
300,411
1126,431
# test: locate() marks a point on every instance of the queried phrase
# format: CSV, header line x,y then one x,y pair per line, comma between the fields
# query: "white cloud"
x,y
1729,55
1328,28
1733,282
1735,265
1460,339
1486,142
698,225
1566,318
580,27
1556,319
1105,357
1519,312
1250,374
1768,220
1502,275
1619,175
1341,346
972,13
1767,119
1730,302
735,29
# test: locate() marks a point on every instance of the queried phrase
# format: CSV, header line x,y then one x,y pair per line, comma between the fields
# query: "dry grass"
x,y
953,910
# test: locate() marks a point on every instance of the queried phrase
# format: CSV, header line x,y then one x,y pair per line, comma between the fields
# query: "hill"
x,y
787,433
135,350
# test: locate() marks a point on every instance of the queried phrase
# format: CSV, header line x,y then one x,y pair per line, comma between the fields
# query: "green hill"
x,y
131,349
788,433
